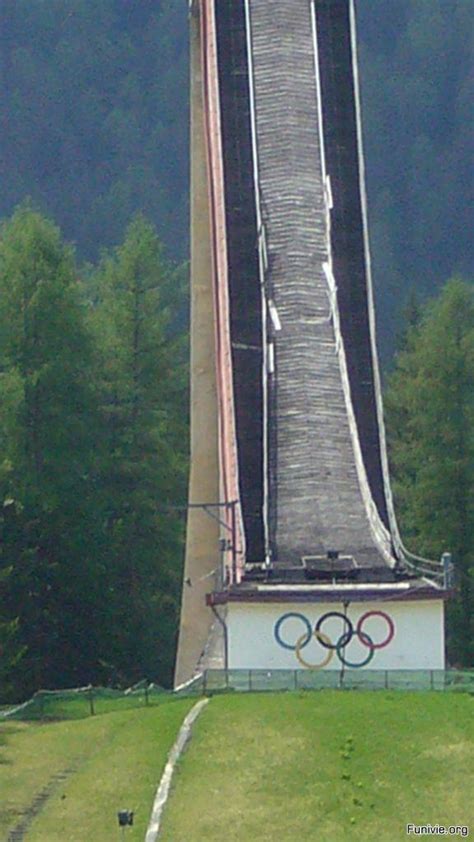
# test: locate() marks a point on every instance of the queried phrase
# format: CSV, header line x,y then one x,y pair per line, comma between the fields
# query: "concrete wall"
x,y
417,642
202,535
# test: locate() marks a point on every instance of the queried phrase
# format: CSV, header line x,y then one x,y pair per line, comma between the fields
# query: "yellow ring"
x,y
321,637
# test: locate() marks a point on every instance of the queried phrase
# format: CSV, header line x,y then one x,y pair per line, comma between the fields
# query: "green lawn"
x,y
278,767
324,767
115,760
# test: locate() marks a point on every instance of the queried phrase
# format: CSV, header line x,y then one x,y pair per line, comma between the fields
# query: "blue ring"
x,y
309,630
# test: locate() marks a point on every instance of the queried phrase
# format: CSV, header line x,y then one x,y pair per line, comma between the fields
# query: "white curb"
x,y
162,792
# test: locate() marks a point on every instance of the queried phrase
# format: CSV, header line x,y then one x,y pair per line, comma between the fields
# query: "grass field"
x,y
274,767
325,767
87,770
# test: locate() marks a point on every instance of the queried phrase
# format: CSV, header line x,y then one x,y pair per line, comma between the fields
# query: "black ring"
x,y
350,627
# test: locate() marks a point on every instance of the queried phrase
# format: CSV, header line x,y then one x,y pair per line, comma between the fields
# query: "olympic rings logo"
x,y
339,646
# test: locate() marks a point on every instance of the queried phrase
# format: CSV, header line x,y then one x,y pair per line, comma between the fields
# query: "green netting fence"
x,y
80,702
51,705
259,680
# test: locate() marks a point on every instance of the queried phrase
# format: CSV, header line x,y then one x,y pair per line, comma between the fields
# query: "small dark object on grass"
x,y
125,818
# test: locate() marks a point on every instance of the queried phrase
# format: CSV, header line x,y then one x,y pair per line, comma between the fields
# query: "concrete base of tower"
x,y
331,628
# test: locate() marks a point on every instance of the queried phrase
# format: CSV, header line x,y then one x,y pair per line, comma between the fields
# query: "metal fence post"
x,y
431,680
250,680
91,701
146,695
386,679
296,679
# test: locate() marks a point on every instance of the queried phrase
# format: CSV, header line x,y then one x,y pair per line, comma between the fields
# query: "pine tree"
x,y
145,435
48,437
430,408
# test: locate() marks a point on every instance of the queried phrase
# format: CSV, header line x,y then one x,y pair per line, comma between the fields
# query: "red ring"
x,y
391,627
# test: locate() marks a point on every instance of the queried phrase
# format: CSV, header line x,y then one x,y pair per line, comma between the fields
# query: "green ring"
x,y
345,638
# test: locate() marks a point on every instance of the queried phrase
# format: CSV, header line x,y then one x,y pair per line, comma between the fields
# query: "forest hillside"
x,y
94,122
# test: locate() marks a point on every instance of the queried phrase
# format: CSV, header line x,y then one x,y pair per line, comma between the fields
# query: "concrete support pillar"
x,y
202,542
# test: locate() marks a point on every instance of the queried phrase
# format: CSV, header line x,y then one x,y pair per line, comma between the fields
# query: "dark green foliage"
x,y
11,651
93,432
94,122
144,399
430,408
416,58
48,473
93,115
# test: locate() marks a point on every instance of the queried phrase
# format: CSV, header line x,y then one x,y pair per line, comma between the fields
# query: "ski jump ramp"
x,y
290,495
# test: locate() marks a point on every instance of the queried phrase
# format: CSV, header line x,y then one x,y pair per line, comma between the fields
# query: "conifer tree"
x,y
145,433
48,470
430,409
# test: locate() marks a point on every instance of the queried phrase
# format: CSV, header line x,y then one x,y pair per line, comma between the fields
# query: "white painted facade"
x,y
417,642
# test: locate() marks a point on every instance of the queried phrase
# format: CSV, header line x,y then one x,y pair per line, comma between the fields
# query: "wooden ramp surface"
x,y
316,493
